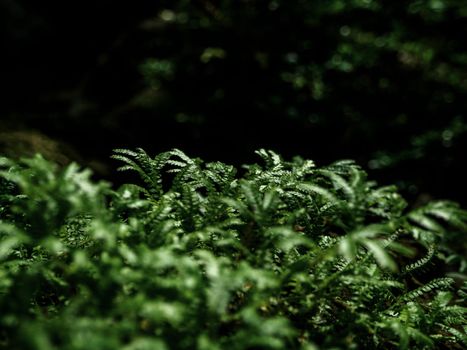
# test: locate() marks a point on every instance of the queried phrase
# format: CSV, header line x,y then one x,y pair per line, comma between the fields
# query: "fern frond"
x,y
420,337
272,159
339,183
324,193
450,213
461,336
147,168
421,262
442,283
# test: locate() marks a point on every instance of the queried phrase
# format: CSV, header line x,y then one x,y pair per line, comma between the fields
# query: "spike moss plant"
x,y
194,256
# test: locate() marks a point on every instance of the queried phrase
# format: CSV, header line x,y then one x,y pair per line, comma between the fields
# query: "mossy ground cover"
x,y
280,255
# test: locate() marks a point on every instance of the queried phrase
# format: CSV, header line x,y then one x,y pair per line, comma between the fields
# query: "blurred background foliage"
x,y
382,82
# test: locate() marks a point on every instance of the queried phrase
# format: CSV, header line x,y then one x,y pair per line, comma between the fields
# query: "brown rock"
x,y
27,143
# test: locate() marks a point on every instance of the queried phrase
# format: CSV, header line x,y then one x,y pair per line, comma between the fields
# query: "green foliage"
x,y
287,255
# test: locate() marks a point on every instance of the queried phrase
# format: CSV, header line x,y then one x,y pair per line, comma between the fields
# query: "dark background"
x,y
382,82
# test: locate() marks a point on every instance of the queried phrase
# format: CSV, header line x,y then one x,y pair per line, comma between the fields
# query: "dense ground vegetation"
x,y
277,255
